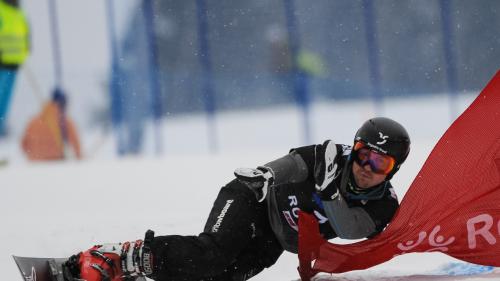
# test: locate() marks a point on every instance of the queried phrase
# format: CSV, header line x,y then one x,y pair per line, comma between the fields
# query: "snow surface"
x,y
58,209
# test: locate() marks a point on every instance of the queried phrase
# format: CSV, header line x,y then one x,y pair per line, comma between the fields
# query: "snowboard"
x,y
40,269
43,269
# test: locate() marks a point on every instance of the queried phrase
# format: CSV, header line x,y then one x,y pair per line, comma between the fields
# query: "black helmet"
x,y
385,136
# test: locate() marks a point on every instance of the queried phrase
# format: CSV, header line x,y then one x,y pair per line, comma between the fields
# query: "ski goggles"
x,y
379,163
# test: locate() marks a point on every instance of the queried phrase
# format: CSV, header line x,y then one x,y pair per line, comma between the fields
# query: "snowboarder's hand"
x,y
325,170
112,262
258,180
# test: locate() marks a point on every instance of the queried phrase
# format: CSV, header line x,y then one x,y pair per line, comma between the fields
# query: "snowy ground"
x,y
57,209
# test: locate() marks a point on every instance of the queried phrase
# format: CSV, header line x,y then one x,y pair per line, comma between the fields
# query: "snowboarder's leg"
x,y
229,230
261,253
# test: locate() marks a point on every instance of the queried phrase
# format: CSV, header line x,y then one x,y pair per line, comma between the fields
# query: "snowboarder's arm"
x,y
290,168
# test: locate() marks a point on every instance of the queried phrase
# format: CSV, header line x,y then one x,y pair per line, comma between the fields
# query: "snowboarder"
x,y
255,216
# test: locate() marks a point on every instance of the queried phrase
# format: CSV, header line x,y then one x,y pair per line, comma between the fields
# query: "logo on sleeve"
x,y
220,218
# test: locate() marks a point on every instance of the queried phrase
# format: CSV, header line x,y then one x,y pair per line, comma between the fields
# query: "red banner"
x,y
452,206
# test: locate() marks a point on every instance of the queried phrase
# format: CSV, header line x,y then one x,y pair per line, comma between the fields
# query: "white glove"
x,y
325,168
258,180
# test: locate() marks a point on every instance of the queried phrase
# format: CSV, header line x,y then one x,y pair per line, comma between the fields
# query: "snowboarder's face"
x,y
365,177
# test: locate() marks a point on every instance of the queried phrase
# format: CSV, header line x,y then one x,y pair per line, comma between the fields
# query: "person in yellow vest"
x,y
52,135
14,49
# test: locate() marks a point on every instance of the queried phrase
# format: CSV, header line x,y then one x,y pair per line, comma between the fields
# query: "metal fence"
x,y
206,56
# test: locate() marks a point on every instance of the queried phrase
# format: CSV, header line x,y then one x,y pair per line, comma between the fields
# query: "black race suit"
x,y
242,236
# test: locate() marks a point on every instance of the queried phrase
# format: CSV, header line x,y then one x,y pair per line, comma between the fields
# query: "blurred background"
x,y
144,77
157,102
